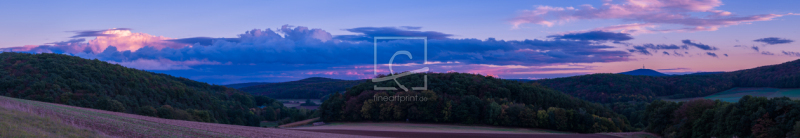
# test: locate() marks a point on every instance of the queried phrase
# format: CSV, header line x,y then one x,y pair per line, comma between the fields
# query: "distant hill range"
x,y
706,73
242,85
644,72
309,88
604,87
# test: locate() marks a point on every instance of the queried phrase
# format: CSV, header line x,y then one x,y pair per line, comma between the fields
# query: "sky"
x,y
224,42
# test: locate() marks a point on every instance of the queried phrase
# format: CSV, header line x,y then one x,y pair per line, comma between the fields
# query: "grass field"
x,y
733,95
15,124
300,101
25,118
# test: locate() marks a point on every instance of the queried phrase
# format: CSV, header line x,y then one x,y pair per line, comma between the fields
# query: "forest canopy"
x,y
473,99
70,80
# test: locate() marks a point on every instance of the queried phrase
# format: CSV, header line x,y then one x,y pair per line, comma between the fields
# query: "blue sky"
x,y
40,22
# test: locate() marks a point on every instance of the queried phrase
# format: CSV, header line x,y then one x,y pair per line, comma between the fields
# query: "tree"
x,y
308,103
166,111
147,110
763,126
492,113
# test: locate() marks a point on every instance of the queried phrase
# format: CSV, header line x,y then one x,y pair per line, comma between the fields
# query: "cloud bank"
x,y
368,33
594,36
647,16
649,49
289,52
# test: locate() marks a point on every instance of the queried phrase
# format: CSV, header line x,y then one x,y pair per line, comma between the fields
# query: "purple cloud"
x,y
98,32
790,53
645,49
711,54
774,40
671,69
202,40
78,40
698,45
767,53
367,33
594,36
640,50
648,15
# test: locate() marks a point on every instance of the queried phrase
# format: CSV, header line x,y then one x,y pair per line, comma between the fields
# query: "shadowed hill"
x,y
644,72
309,88
75,81
248,84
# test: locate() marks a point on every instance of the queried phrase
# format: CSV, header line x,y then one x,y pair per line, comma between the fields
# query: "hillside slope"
x,y
70,80
309,88
115,124
242,85
472,99
622,88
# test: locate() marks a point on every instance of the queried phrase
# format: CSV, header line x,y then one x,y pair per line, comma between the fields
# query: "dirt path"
x,y
454,135
424,127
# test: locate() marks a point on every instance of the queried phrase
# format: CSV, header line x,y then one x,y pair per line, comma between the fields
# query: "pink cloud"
x,y
125,40
122,39
649,15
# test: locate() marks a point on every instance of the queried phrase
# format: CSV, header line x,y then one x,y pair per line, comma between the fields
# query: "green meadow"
x,y
733,95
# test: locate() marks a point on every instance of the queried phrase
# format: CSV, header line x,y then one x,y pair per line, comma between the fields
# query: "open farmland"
x,y
91,123
734,94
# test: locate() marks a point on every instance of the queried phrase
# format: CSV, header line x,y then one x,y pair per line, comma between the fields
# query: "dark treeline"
x,y
633,111
75,81
309,88
750,117
473,99
610,88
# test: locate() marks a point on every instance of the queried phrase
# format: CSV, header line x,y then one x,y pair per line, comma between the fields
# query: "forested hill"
x,y
70,80
609,88
242,85
472,99
309,88
644,72
786,75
